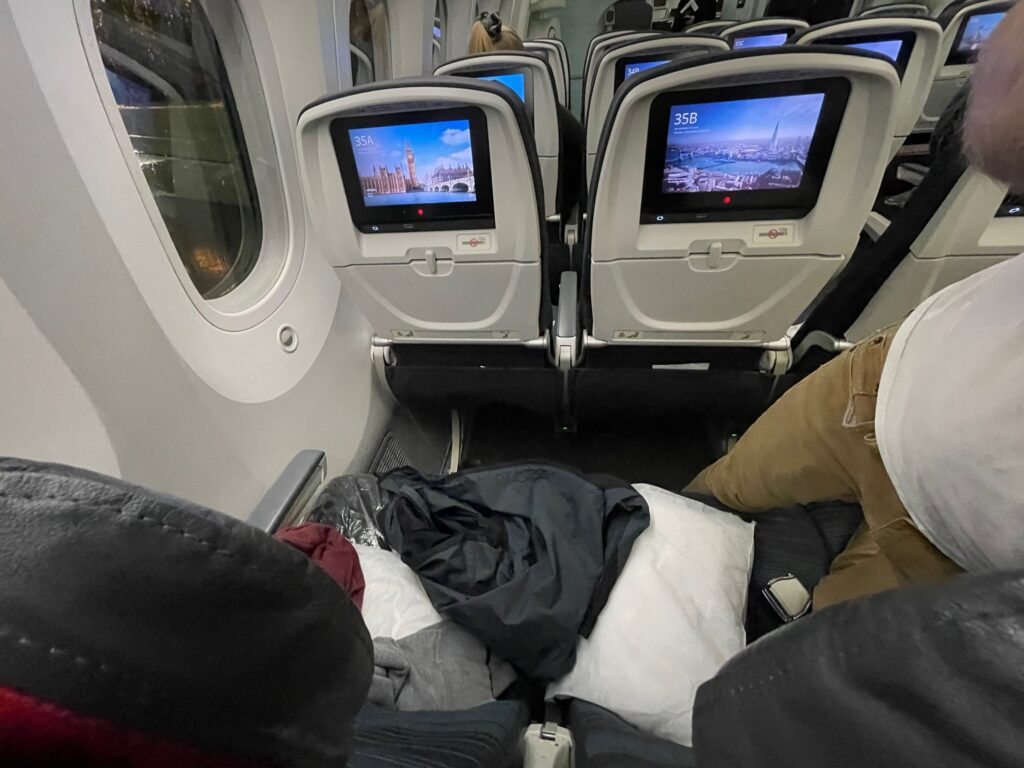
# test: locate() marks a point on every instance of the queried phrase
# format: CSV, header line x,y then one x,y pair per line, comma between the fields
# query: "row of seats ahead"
x,y
674,256
957,30
481,274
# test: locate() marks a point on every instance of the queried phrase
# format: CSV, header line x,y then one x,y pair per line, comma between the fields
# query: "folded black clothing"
x,y
524,556
485,737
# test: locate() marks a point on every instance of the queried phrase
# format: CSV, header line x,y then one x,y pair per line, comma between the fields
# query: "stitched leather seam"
x,y
215,548
53,651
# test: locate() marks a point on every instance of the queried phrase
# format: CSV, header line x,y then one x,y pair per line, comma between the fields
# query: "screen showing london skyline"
x,y
977,30
636,67
888,48
415,163
742,145
761,41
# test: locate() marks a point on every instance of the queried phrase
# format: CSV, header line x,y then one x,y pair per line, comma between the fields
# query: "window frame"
x,y
439,45
279,257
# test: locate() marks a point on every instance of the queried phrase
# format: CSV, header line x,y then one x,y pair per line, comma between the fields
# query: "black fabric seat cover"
x,y
801,540
485,737
604,740
162,617
929,676
524,556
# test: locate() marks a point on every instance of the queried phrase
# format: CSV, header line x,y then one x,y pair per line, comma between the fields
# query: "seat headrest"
x,y
130,612
499,60
763,26
915,676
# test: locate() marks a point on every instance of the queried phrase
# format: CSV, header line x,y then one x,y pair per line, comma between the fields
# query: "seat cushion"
x,y
605,740
485,737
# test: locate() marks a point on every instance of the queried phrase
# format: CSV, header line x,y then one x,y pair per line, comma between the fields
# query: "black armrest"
x,y
291,491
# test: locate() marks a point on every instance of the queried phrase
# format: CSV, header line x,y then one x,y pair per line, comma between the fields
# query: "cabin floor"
x,y
666,450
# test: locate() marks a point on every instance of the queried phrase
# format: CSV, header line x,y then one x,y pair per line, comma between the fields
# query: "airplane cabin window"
x,y
438,33
165,69
368,41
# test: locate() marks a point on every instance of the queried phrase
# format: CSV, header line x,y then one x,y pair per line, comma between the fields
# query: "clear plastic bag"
x,y
351,504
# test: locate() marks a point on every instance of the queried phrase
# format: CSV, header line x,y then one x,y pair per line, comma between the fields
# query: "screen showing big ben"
x,y
417,170
415,164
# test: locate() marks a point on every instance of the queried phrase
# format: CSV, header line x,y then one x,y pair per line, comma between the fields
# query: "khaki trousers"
x,y
817,443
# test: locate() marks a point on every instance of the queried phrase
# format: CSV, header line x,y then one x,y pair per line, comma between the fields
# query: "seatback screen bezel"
x,y
417,216
659,207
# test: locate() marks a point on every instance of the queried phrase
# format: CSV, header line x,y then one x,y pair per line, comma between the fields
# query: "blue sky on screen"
x,y
888,48
637,67
760,41
746,119
978,28
517,82
442,143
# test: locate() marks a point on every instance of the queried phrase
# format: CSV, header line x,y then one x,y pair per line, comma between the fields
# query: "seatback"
x,y
623,61
897,9
429,268
679,254
709,27
965,26
957,222
597,50
594,42
537,79
912,43
762,33
557,56
972,229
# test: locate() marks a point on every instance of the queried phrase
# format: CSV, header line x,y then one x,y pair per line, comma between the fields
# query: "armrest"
x,y
293,489
912,173
876,225
568,306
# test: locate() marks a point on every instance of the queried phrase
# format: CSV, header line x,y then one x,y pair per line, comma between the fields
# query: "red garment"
x,y
39,733
331,551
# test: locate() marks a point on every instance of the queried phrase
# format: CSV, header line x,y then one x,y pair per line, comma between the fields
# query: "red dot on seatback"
x,y
727,199
420,211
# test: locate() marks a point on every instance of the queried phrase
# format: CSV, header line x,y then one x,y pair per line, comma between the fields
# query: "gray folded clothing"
x,y
442,667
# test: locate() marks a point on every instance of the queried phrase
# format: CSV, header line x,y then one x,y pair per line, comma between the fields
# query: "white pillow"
x,y
395,604
674,617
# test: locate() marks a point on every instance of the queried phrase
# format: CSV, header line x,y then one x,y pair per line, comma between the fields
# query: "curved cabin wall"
x,y
96,321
